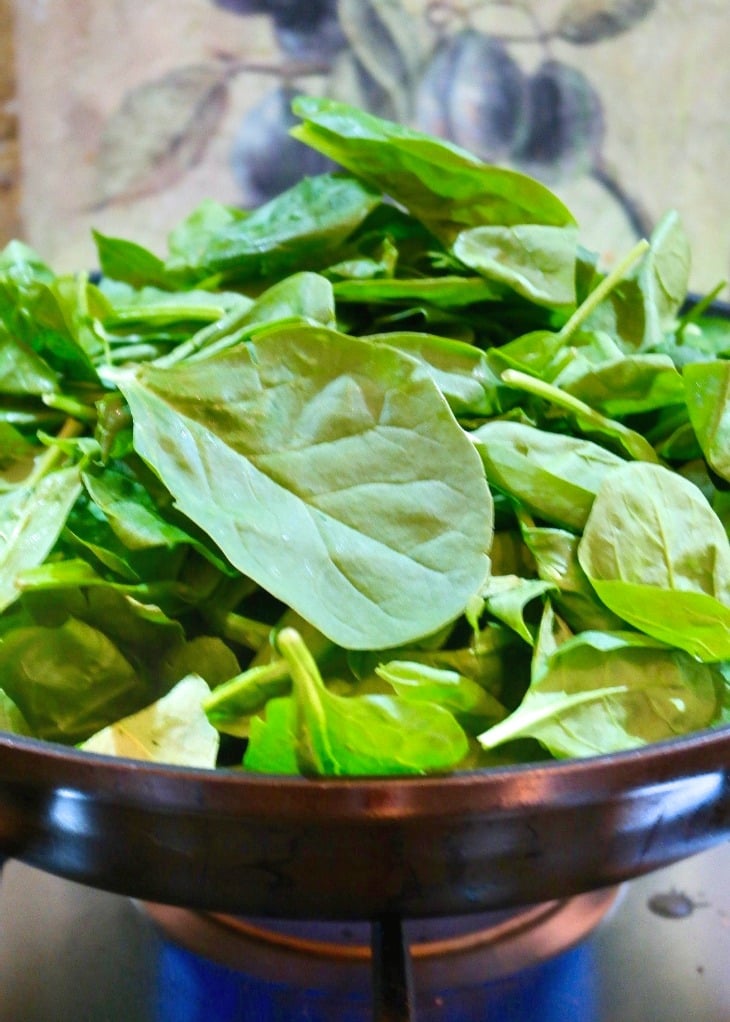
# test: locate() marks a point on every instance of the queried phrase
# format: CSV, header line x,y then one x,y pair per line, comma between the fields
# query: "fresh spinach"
x,y
388,476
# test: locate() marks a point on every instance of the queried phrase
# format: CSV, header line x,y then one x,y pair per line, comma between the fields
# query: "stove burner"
x,y
449,952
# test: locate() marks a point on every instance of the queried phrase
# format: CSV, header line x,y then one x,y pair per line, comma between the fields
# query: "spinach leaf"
x,y
443,186
361,735
121,259
172,730
271,745
555,552
378,516
602,692
31,518
554,477
69,681
659,557
708,403
506,597
300,229
461,371
628,385
457,693
535,260
22,370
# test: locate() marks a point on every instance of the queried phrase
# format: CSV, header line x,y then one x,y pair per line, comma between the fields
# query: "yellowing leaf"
x,y
174,730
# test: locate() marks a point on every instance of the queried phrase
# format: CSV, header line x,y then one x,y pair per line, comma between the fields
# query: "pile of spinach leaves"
x,y
387,476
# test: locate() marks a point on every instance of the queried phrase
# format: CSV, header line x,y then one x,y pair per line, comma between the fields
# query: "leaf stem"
x,y
506,731
71,406
71,428
636,445
246,631
603,289
227,324
247,692
313,748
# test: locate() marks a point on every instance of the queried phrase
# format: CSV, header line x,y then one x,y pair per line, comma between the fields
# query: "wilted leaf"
x,y
159,132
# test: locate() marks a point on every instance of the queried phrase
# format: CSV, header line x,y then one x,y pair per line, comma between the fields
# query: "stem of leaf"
x,y
48,460
69,405
313,749
587,417
226,325
247,692
606,286
530,719
244,630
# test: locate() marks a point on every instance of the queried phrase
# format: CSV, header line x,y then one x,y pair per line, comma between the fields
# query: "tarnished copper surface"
x,y
347,849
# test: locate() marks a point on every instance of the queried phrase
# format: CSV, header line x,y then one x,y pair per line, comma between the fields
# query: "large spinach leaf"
x,y
329,470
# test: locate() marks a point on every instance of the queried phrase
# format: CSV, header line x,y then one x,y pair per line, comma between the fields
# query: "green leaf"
x,y
589,421
271,745
556,557
12,720
708,402
361,735
231,703
507,596
31,518
459,694
172,730
553,476
69,681
300,229
604,692
126,260
535,260
135,518
642,308
22,371
443,186
190,238
14,448
460,371
659,557
628,386
330,471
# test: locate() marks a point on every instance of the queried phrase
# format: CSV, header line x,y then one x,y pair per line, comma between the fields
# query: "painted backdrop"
x,y
132,113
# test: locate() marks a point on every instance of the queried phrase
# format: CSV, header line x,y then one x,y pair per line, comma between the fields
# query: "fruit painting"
x,y
433,67
615,104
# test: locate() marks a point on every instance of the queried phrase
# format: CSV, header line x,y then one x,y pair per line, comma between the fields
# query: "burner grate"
x,y
390,958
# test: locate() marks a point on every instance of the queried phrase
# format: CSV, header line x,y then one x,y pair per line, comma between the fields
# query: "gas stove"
x,y
655,948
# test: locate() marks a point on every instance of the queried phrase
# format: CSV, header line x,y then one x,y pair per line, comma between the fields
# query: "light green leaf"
x,y
370,734
329,470
659,557
172,730
422,682
553,476
708,402
604,692
31,519
443,186
535,260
